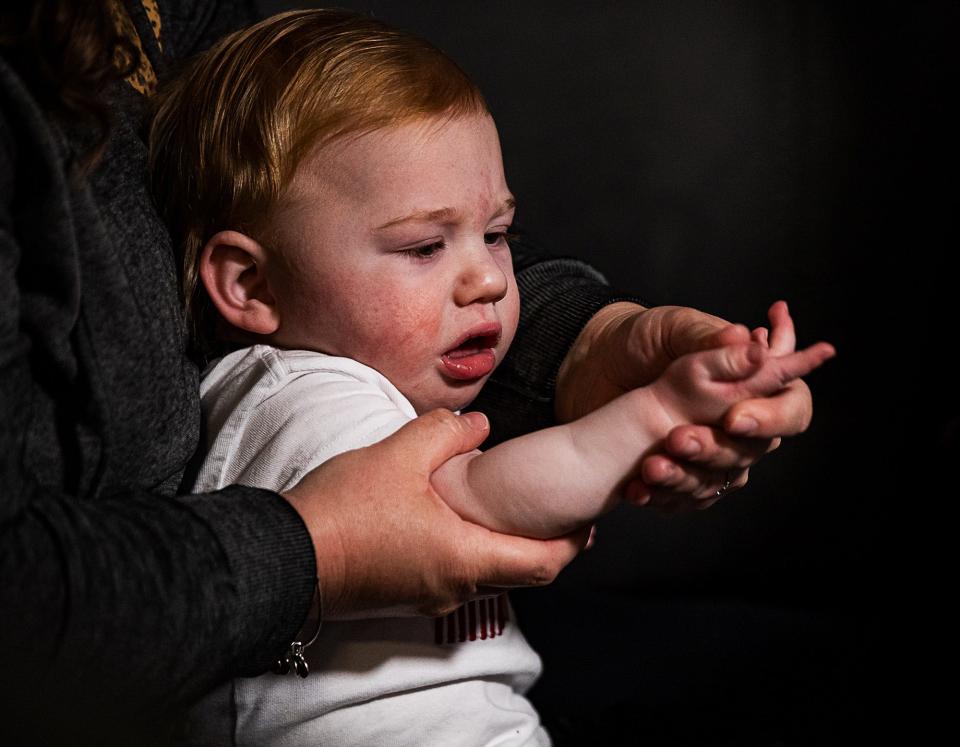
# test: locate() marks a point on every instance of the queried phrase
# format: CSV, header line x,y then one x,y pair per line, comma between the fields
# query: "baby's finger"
x,y
761,335
777,373
783,335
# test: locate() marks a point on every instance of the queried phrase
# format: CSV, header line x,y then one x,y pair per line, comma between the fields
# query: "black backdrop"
x,y
725,155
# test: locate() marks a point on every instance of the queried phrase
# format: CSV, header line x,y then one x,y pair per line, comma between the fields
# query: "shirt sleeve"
x,y
283,425
558,296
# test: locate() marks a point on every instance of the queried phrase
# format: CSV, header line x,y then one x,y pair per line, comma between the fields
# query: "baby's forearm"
x,y
552,481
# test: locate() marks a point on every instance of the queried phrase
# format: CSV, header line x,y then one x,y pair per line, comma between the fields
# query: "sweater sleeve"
x,y
116,606
558,296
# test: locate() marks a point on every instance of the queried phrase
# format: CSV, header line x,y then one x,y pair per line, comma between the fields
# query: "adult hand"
x,y
625,346
386,543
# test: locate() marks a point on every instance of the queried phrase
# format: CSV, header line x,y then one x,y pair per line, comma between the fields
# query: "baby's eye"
x,y
496,238
426,251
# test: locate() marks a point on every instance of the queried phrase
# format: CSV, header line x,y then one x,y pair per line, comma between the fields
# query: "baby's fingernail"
x,y
743,425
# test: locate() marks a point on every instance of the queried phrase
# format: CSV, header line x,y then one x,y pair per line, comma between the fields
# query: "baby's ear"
x,y
233,270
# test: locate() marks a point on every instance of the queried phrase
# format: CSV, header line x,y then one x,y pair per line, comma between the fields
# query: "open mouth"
x,y
474,356
473,345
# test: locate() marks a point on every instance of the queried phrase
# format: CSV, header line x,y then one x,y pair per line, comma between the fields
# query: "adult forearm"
x,y
139,603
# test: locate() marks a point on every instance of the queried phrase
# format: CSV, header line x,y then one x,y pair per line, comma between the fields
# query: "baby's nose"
x,y
481,281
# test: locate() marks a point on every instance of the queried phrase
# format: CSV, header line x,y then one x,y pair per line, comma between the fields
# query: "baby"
x,y
338,193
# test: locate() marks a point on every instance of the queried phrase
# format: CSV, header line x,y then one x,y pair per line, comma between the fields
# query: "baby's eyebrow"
x,y
423,216
441,214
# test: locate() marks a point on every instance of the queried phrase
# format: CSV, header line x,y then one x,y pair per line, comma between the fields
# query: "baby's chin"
x,y
455,397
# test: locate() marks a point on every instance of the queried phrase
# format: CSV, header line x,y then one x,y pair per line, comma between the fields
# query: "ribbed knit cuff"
x,y
273,569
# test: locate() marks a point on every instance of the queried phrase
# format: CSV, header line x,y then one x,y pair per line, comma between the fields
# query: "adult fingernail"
x,y
638,494
476,419
743,425
691,447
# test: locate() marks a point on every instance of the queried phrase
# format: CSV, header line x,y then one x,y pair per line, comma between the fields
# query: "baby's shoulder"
x,y
271,415
265,376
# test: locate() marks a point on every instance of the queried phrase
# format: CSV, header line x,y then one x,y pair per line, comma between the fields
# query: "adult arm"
x,y
115,594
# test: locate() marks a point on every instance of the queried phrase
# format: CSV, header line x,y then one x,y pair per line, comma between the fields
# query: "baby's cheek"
x,y
510,314
403,334
417,330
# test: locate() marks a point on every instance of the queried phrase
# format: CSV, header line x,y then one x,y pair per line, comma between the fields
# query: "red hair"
x,y
229,133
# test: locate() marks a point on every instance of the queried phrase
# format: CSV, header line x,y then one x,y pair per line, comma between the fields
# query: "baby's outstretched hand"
x,y
711,388
701,387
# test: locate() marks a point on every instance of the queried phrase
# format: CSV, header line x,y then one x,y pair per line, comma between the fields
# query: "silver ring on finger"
x,y
722,490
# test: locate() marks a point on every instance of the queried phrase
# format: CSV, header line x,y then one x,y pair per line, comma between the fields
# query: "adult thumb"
x,y
438,435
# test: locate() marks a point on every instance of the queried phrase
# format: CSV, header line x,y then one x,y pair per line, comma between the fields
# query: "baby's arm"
x,y
549,482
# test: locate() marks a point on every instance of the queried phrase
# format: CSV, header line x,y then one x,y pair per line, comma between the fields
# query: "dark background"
x,y
724,155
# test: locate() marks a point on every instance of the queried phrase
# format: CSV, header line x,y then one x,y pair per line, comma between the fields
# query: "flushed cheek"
x,y
399,338
509,312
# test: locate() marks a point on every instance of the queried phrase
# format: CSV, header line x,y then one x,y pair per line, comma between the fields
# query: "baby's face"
x,y
395,256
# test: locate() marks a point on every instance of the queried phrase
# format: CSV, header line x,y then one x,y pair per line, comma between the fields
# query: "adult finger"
x,y
661,473
713,449
509,561
786,413
431,439
667,503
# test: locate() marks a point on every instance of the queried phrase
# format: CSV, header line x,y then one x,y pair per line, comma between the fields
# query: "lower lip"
x,y
471,366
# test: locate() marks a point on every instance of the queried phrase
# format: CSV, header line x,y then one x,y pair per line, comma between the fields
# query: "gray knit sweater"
x,y
121,601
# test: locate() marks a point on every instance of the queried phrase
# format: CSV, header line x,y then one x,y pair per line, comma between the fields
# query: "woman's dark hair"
x,y
68,52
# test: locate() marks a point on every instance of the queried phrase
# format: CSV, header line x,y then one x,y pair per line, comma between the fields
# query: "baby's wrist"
x,y
651,416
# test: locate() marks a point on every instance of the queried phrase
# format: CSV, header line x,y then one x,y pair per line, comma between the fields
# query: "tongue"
x,y
466,363
469,347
